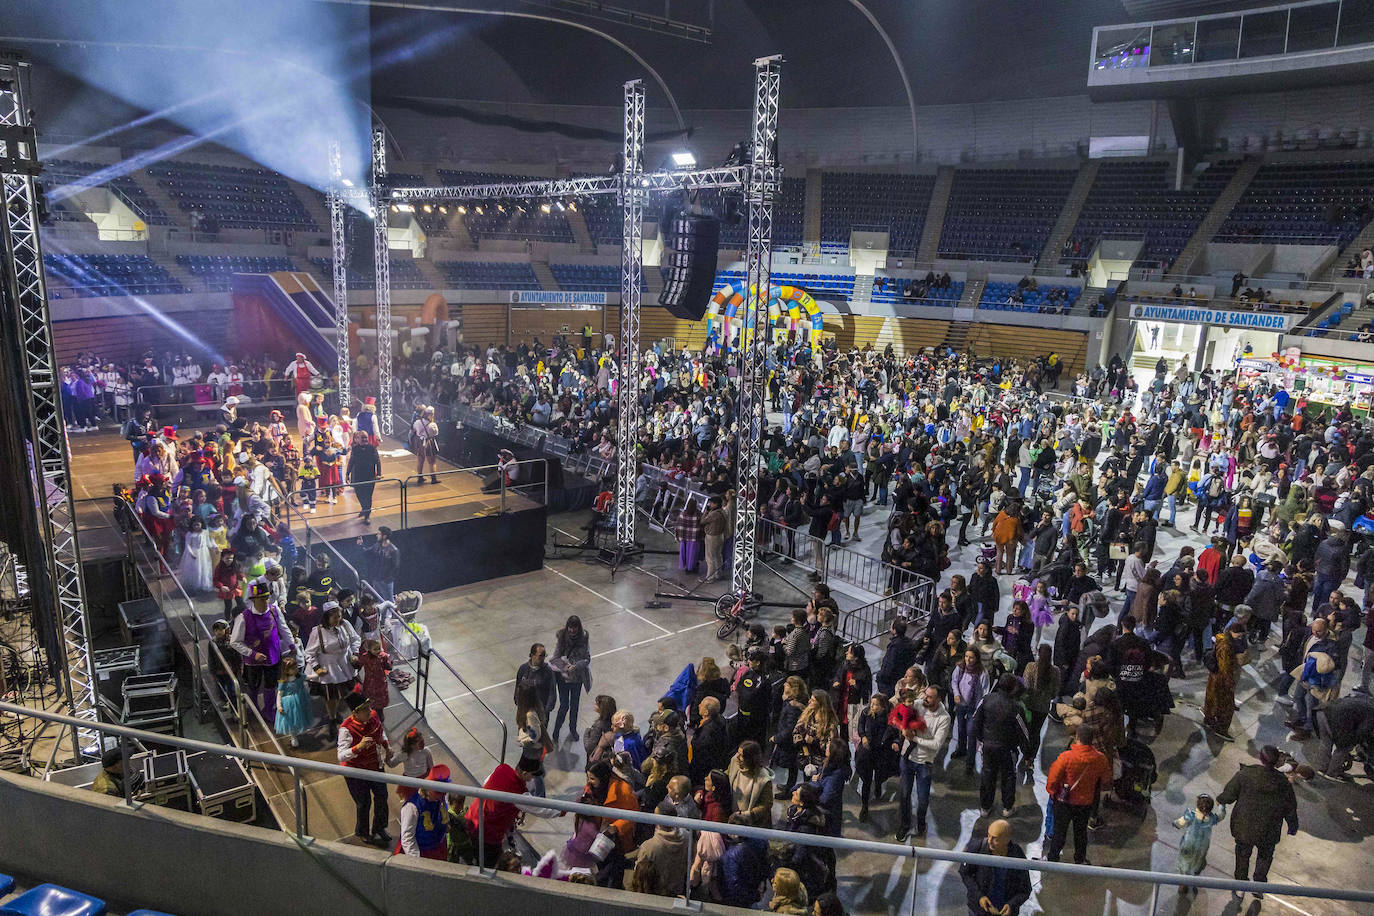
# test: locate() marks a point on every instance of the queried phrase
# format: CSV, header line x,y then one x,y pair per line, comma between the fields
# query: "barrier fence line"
x,y
839,844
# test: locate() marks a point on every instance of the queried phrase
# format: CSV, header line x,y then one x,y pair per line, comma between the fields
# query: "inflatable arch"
x,y
723,312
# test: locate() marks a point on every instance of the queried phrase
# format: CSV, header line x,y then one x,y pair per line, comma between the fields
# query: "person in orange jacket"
x,y
1074,782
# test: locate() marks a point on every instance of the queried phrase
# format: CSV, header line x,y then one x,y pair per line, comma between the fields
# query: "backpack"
x,y
1215,487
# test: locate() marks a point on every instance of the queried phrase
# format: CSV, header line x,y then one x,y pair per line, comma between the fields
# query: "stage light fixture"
x,y
348,182
572,205
545,208
477,210
428,208
462,209
560,206
443,209
684,160
501,208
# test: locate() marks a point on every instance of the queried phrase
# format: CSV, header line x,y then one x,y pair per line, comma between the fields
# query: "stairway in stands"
x,y
436,278
1358,244
314,203
1068,217
543,274
973,293
956,337
811,213
863,288
1206,229
159,196
935,215
578,224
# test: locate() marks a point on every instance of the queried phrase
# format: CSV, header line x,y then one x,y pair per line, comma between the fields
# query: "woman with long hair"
x,y
966,688
1042,686
784,748
571,663
816,726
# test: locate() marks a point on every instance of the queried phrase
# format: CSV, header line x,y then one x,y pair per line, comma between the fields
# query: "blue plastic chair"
x,y
52,900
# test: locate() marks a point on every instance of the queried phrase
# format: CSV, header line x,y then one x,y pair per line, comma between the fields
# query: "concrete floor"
x,y
485,631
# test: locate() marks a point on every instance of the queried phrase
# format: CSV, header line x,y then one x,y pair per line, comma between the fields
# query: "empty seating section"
x,y
895,203
590,277
73,276
1313,203
235,198
405,274
603,217
892,292
489,275
1003,214
506,219
218,271
1051,300
832,287
59,172
788,215
1134,200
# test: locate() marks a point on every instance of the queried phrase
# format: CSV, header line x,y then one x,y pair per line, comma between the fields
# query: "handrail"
x,y
431,653
477,470
841,843
204,631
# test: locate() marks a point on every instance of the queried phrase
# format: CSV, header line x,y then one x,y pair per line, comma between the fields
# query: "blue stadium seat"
x,y
52,900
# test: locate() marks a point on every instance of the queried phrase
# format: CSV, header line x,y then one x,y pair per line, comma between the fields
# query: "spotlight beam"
x,y
442,8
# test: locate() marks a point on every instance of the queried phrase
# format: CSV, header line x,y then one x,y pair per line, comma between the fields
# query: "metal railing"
x,y
536,492
869,622
421,662
160,394
586,464
545,806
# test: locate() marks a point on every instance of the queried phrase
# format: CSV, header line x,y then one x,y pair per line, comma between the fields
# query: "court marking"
x,y
609,601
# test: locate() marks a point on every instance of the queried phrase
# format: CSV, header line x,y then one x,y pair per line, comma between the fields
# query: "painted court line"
x,y
608,600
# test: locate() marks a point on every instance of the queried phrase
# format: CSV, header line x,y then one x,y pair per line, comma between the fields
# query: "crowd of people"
x,y
1067,498
1072,494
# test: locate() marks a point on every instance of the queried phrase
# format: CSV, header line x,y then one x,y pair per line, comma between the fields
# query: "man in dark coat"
x,y
899,655
1344,725
1264,800
990,888
1332,562
1068,639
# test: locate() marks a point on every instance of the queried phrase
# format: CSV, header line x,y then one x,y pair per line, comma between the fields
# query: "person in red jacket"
x,y
498,817
1074,782
363,745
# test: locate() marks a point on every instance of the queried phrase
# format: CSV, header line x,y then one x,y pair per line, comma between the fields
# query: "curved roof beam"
x,y
901,70
512,14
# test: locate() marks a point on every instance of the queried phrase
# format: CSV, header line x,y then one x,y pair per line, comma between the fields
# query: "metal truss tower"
x,y
337,212
632,197
760,187
381,251
22,272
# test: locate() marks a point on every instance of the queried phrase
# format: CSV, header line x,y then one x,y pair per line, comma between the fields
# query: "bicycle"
x,y
732,610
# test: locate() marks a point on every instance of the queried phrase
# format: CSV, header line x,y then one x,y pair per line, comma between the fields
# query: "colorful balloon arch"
x,y
724,311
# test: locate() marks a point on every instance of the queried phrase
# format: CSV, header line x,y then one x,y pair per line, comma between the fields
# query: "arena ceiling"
x,y
953,50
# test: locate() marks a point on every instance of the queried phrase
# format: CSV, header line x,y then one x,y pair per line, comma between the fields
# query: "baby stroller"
x,y
1138,773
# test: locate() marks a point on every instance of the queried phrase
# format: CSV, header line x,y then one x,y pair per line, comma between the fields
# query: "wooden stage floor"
x,y
101,460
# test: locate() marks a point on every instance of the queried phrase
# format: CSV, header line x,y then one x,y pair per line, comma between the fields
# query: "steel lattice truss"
x,y
381,251
759,177
730,176
762,185
633,196
337,214
20,247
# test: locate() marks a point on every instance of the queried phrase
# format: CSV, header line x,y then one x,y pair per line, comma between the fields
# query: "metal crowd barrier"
x,y
547,807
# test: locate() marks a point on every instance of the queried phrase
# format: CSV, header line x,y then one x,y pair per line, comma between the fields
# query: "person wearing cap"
x,y
303,372
155,504
753,695
424,442
110,779
261,635
1264,800
425,817
367,419
331,655
362,744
